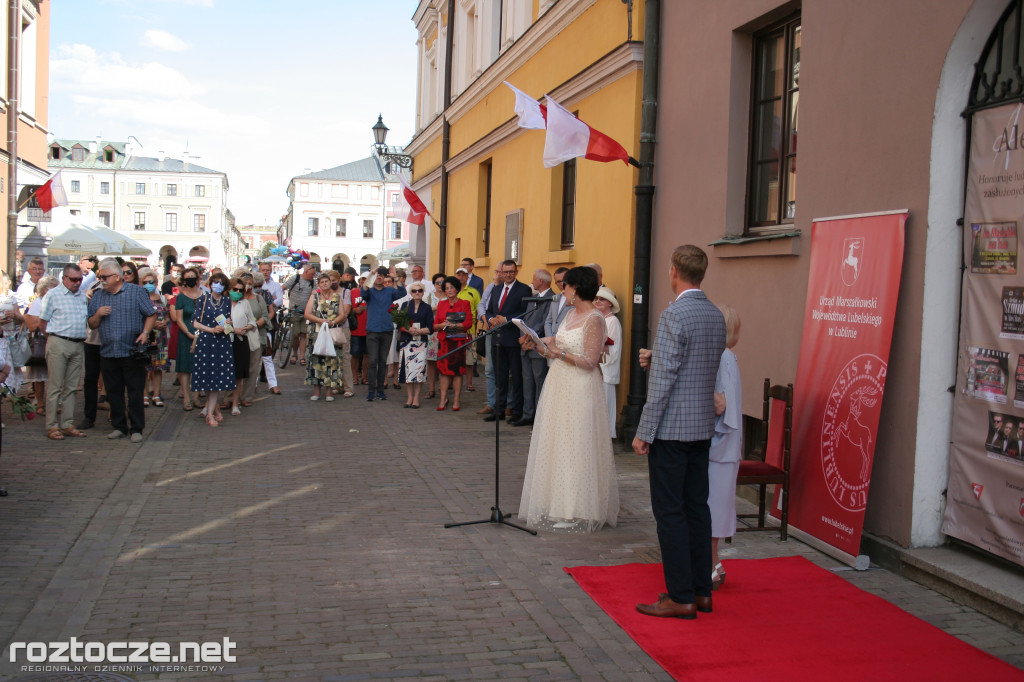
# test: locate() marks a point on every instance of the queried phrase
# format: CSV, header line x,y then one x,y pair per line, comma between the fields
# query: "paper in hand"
x,y
529,332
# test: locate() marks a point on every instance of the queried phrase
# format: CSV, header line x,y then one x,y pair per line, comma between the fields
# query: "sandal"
x,y
235,411
55,434
211,421
187,406
158,401
294,360
275,390
348,394
73,432
145,401
302,362
246,403
470,388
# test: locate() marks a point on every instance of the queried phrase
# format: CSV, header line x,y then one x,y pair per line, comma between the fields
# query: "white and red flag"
x,y
531,113
410,207
51,194
568,137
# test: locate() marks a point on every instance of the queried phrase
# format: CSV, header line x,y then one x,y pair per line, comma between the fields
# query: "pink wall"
x,y
868,81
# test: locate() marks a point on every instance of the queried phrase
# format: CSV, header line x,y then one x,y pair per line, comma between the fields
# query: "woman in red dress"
x,y
453,317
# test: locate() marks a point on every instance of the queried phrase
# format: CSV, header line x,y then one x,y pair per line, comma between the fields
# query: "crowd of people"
x,y
549,360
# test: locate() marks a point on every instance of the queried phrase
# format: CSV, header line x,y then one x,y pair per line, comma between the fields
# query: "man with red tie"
x,y
507,303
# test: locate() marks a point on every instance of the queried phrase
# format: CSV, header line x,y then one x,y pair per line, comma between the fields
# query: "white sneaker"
x,y
116,434
314,397
329,399
136,437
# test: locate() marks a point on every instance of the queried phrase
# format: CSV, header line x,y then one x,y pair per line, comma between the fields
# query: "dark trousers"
x,y
120,375
534,372
92,380
508,364
378,345
679,499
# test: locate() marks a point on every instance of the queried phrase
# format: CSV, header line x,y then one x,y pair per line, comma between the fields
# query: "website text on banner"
x,y
852,289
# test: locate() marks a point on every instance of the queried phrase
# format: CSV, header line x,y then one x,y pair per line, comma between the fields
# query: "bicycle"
x,y
283,335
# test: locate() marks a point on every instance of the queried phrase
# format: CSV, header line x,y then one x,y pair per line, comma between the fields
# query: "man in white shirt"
x,y
266,269
27,289
64,318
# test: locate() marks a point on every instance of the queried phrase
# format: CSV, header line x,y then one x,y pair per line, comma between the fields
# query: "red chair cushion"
x,y
750,467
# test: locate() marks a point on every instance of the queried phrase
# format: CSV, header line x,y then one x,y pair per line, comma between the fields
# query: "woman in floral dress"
x,y
323,371
161,360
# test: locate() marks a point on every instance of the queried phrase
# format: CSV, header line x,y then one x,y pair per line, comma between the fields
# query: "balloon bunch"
x,y
279,251
298,258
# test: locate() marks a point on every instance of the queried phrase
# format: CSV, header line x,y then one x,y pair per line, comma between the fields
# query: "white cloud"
x,y
164,41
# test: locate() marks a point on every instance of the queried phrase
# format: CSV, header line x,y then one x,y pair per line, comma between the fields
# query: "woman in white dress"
x,y
726,445
609,307
570,482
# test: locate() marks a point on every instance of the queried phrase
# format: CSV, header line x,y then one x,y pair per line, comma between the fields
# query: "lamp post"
x,y
380,134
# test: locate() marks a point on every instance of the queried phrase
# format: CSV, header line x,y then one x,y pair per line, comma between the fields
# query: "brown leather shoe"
x,y
666,608
703,603
485,410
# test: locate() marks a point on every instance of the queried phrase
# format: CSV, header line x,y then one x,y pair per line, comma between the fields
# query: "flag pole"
x,y
13,32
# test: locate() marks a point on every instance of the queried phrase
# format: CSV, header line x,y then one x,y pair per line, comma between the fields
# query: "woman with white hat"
x,y
609,307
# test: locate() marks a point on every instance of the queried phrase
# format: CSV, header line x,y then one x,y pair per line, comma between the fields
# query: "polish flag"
x,y
532,114
410,207
52,194
569,138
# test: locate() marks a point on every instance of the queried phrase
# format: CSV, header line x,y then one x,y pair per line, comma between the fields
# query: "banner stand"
x,y
860,562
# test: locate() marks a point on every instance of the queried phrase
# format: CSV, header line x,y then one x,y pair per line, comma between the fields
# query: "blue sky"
x,y
260,90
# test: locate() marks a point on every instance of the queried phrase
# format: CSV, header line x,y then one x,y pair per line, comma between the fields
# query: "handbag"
x,y
195,337
37,345
324,343
20,348
338,336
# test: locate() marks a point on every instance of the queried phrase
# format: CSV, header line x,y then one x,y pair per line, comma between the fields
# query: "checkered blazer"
x,y
681,382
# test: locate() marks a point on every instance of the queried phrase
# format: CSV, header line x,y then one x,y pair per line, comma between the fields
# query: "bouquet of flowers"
x,y
399,316
21,405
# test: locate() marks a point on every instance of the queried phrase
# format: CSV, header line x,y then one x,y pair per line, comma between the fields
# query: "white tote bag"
x,y
324,344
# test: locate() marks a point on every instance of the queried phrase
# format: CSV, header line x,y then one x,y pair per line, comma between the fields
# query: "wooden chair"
x,y
776,442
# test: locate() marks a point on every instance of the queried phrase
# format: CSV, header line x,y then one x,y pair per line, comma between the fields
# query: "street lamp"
x,y
380,134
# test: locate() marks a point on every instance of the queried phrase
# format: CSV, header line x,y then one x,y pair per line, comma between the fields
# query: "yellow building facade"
x,y
501,202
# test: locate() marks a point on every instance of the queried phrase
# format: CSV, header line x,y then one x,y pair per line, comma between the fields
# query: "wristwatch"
x,y
562,357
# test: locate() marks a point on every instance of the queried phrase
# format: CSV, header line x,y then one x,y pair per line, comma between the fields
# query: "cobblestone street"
x,y
312,535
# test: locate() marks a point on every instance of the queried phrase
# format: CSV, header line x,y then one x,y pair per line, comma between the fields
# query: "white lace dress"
x,y
570,483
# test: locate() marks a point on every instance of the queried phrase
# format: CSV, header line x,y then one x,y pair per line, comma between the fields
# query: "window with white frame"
x,y
105,218
199,222
76,186
367,229
313,227
104,188
396,229
140,188
172,190
171,222
340,227
200,190
140,220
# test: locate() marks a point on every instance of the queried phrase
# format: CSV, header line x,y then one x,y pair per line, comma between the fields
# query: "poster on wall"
x,y
985,494
856,263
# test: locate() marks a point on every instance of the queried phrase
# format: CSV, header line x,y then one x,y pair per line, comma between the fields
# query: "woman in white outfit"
x,y
726,445
609,307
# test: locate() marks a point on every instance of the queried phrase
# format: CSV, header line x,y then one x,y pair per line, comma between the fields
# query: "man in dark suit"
x,y
675,432
474,280
535,368
506,303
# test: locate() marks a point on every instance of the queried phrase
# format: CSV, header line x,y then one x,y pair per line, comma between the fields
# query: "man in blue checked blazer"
x,y
675,432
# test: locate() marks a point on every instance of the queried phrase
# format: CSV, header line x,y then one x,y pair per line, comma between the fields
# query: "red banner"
x,y
852,289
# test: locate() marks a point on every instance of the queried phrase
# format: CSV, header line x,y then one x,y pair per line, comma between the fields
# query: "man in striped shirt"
x,y
64,318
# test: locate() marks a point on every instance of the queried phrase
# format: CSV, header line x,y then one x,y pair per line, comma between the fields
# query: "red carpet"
x,y
786,619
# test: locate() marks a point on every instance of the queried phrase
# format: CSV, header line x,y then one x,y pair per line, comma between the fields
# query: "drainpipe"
x,y
445,138
14,33
644,192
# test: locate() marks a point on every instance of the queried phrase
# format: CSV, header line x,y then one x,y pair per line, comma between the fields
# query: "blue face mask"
x,y
217,288
149,287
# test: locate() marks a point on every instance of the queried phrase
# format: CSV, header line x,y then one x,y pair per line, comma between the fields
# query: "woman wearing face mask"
x,y
258,307
213,362
158,337
184,309
325,305
246,339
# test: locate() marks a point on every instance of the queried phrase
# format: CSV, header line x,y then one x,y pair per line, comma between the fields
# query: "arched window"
x,y
999,73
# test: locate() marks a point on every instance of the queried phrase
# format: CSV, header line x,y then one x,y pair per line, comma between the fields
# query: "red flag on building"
x,y
51,194
568,137
410,208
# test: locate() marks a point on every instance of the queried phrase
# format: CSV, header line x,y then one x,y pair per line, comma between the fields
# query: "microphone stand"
x,y
496,514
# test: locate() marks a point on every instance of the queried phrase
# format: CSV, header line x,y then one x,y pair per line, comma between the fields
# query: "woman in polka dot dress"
x,y
213,364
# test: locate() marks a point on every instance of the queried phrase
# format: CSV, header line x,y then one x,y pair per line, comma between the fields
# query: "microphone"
x,y
538,299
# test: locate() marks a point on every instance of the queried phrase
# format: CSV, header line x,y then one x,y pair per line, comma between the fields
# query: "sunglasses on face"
x,y
103,278
73,279
416,291
126,273
241,291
